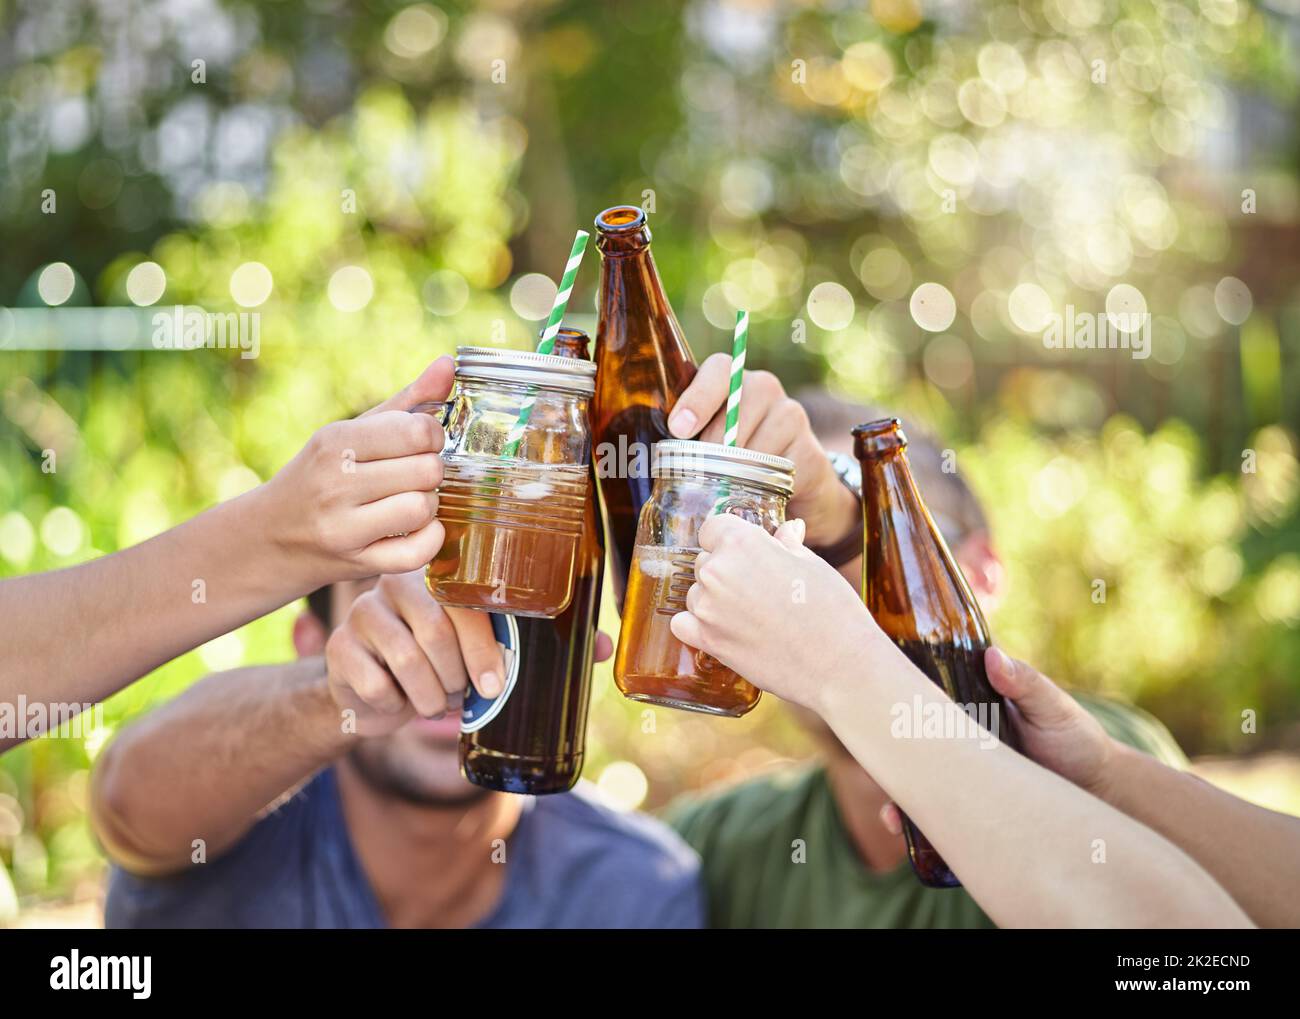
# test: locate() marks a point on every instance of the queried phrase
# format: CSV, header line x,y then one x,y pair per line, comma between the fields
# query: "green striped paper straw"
x,y
737,382
737,378
547,343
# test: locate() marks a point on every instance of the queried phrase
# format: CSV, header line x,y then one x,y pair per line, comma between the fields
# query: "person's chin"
x,y
419,763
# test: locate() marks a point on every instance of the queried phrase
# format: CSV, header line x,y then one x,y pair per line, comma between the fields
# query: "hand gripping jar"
x,y
515,482
692,481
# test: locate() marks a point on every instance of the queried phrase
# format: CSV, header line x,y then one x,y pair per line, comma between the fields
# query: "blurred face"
x,y
419,762
982,568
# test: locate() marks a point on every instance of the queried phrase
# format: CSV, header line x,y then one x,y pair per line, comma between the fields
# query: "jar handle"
x,y
441,409
737,508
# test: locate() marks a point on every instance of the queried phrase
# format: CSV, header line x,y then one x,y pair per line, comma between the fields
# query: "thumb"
x,y
1036,697
433,384
790,534
479,650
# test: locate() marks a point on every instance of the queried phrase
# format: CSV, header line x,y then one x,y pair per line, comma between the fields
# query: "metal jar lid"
x,y
526,368
686,455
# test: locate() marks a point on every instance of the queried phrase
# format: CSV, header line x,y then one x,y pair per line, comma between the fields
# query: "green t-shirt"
x,y
750,838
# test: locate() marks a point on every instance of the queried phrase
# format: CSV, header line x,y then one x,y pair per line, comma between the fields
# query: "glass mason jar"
x,y
692,481
515,482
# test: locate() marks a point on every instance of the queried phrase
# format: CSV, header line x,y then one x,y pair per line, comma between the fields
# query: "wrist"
x,y
855,675
1108,781
836,515
321,719
276,551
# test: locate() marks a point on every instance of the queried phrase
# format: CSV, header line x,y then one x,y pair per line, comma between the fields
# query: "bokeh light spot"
x,y
56,283
868,66
350,288
445,292
1232,300
145,284
947,362
250,284
623,784
933,307
17,538
1029,307
830,306
62,531
414,31
1125,307
533,296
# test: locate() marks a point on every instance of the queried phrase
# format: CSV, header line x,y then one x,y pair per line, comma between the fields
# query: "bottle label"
x,y
478,710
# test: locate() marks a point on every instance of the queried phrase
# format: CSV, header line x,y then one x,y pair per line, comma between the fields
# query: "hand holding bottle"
x,y
1055,730
399,654
770,422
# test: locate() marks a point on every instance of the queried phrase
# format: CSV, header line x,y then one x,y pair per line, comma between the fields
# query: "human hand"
x,y
1055,730
770,422
773,611
360,498
399,654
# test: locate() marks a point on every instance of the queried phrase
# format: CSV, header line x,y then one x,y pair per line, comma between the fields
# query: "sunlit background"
x,y
902,193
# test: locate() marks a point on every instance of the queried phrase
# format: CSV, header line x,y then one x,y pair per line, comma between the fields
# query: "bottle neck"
x,y
911,582
578,351
572,343
636,319
626,242
591,549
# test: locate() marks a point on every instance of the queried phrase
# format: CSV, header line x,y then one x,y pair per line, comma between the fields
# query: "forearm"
x,y
77,635
1027,844
206,764
1253,852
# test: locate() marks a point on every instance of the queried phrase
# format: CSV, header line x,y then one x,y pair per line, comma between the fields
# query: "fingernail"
x,y
489,684
799,528
682,423
1004,663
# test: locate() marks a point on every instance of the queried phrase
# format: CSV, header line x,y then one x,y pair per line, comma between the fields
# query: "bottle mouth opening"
x,y
621,219
878,437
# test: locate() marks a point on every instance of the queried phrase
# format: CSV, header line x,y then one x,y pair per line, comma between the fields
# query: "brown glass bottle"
x,y
919,597
642,365
532,739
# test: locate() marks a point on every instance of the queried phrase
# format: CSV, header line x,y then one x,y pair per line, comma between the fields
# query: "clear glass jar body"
x,y
651,664
513,522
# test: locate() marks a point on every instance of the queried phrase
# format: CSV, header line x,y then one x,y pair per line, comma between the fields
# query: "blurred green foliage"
x,y
397,168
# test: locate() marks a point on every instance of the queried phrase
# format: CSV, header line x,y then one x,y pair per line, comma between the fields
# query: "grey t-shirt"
x,y
571,862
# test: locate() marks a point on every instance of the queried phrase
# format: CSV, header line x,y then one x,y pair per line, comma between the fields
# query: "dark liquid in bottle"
x,y
535,745
623,469
960,672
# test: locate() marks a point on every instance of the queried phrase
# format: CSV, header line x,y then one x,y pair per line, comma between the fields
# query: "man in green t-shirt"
x,y
805,847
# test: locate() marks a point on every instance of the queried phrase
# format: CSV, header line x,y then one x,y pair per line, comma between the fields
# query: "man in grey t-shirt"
x,y
245,802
